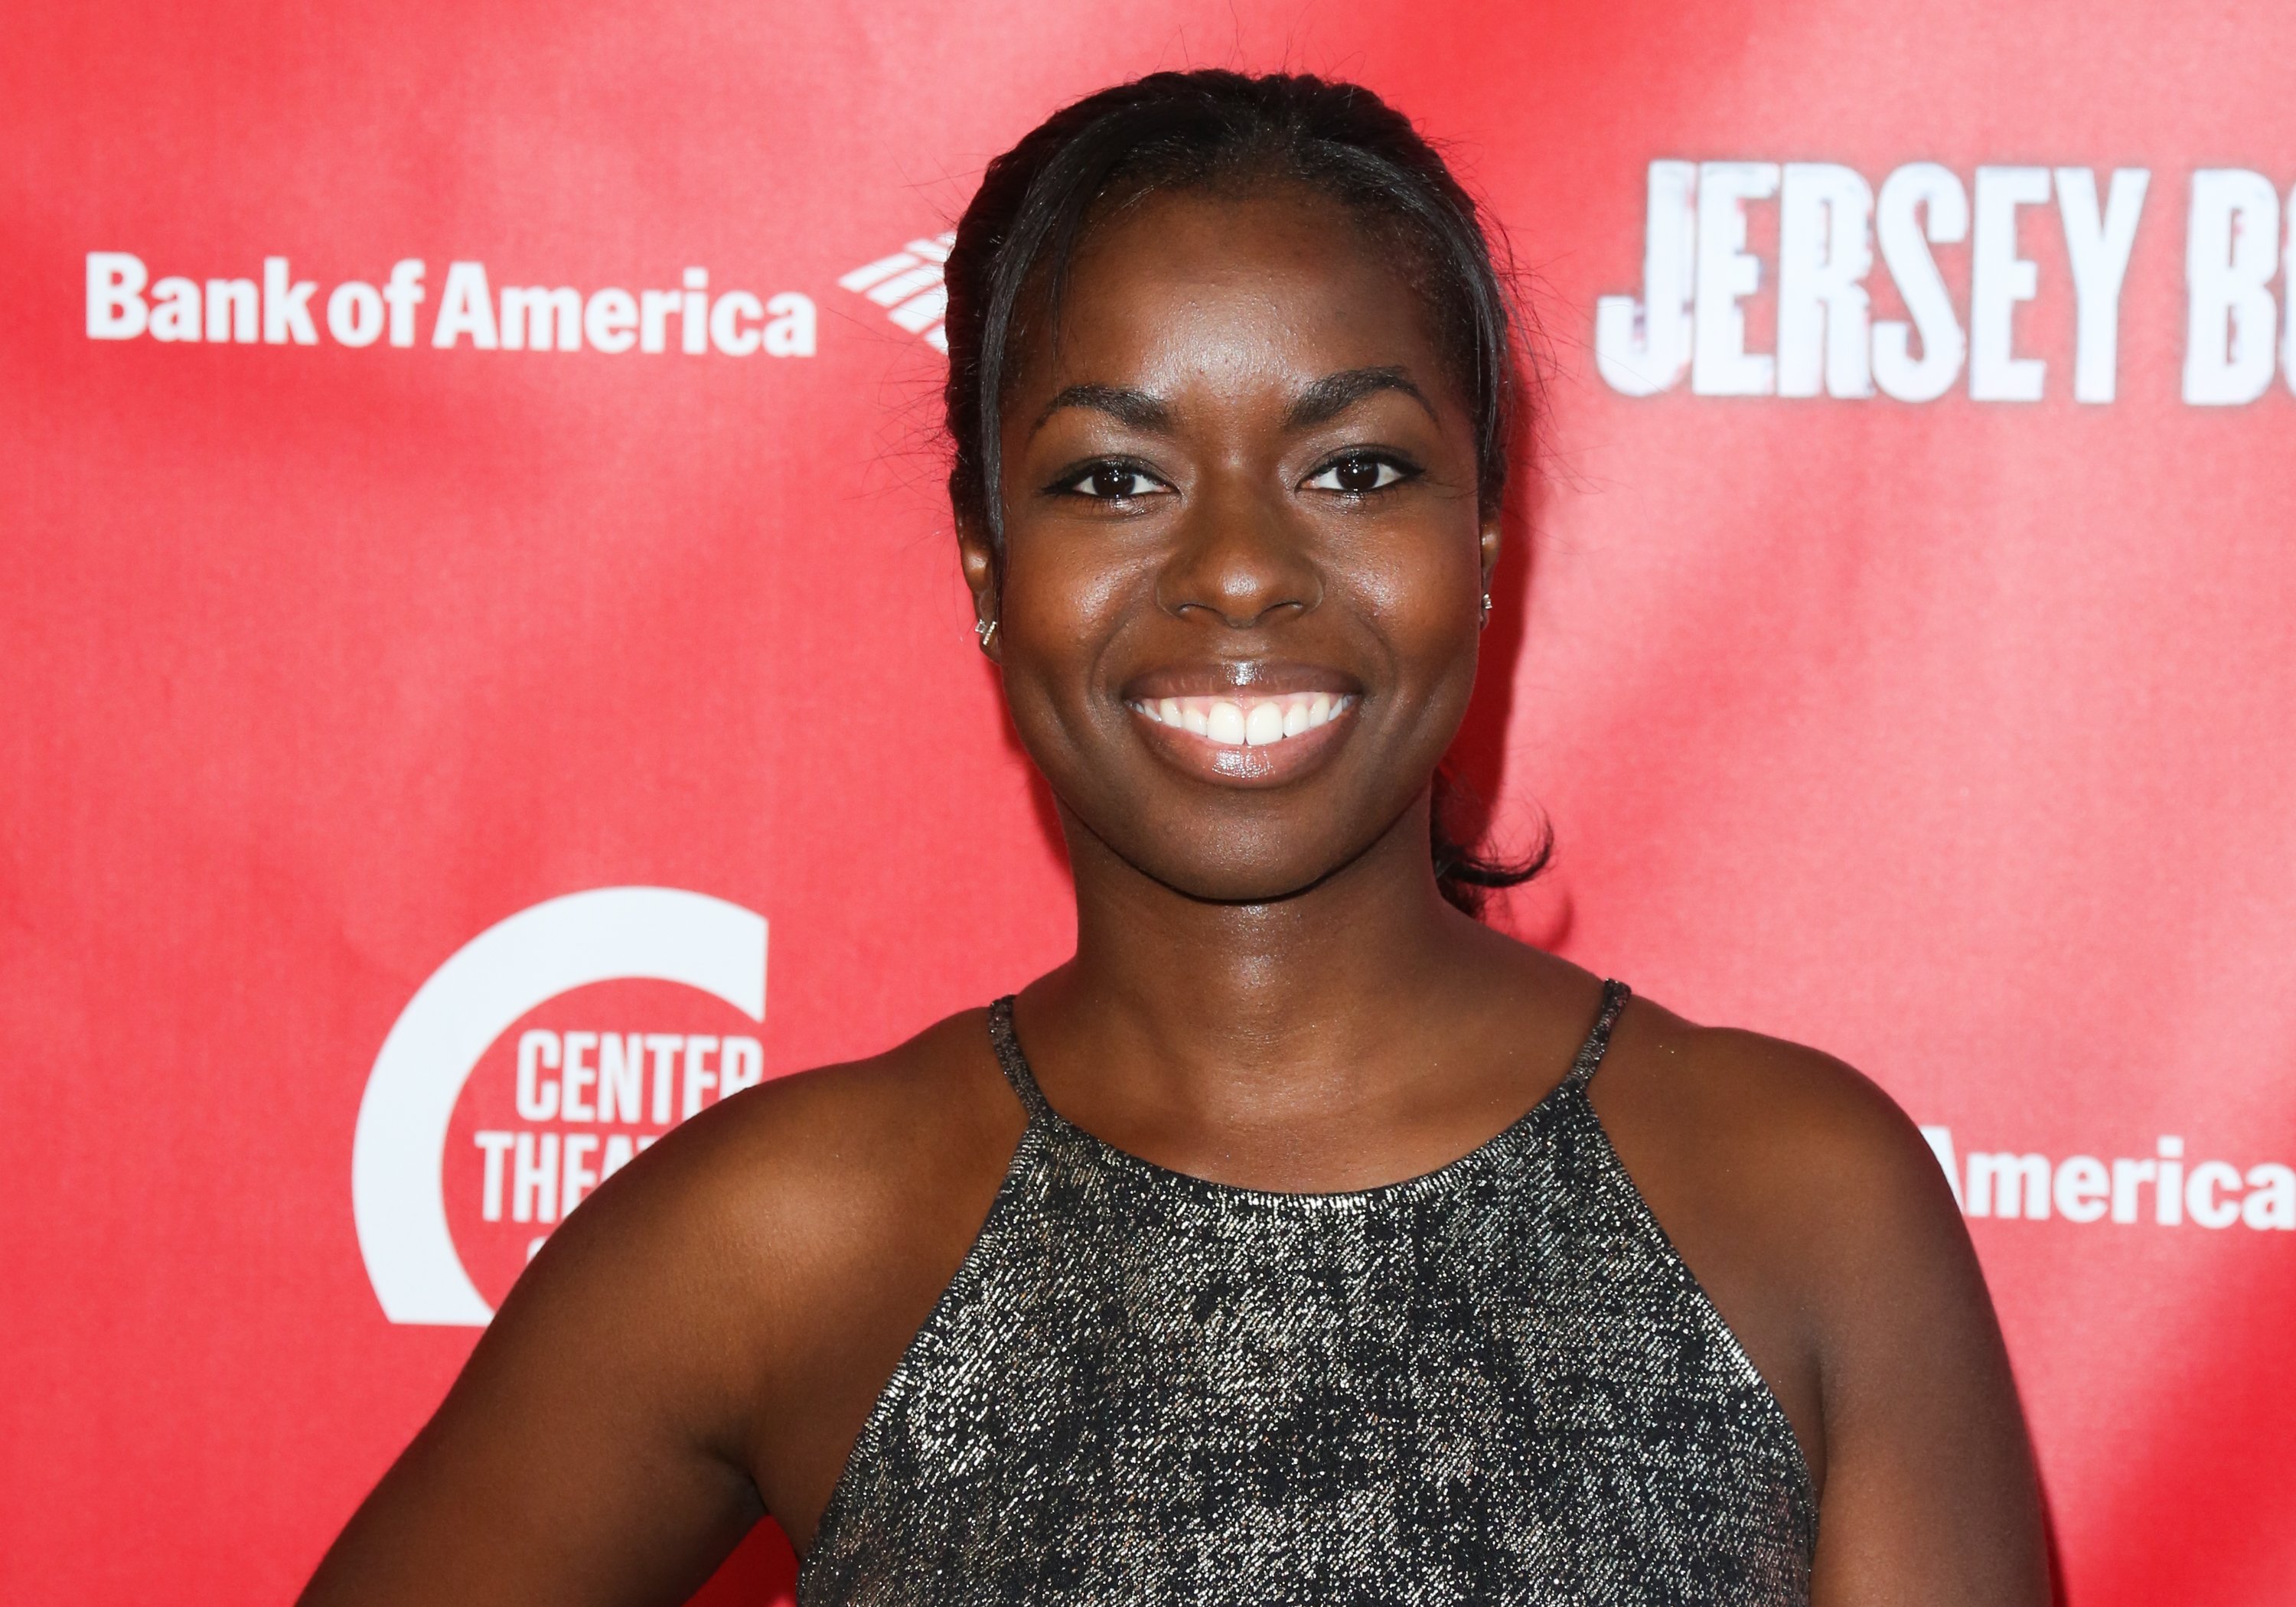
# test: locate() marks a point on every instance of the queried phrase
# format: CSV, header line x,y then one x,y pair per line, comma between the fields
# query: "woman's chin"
x,y
1267,864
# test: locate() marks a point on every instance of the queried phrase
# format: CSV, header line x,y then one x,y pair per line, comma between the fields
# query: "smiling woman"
x,y
1302,1255
1368,171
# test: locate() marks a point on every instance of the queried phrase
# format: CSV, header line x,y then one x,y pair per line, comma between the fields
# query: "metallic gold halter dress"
x,y
1495,1383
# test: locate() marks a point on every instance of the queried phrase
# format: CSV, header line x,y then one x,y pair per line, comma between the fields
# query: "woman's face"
x,y
1244,562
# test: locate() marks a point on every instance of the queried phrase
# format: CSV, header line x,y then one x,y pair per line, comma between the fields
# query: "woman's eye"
x,y
1112,482
1356,475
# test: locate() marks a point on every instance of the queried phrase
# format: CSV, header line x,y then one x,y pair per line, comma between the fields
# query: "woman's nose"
x,y
1241,556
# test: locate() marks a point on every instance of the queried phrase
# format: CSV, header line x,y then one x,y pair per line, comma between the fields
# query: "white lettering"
x,y
355,313
1999,279
572,1105
665,1046
538,1100
2018,1184
579,1178
1642,347
556,315
2288,286
534,1179
175,310
2201,1190
1826,249
279,309
2231,244
230,310
466,308
699,1079
1920,203
654,308
2127,1177
404,292
490,1204
791,333
694,319
2005,1184
2169,1194
727,333
2271,1200
621,1076
609,319
2099,250
740,1064
115,296
1727,274
286,307
2080,1189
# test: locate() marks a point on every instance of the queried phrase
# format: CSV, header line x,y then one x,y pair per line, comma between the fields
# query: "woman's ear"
x,y
1490,544
977,557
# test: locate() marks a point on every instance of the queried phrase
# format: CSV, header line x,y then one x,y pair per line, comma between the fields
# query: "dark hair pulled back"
x,y
1212,128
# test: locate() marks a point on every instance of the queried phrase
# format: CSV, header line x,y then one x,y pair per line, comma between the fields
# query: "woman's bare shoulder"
x,y
1815,1216
772,1255
1774,1131
697,1342
797,1176
1812,1213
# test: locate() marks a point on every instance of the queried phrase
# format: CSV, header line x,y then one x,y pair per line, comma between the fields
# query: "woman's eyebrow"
x,y
1335,393
1137,408
1322,401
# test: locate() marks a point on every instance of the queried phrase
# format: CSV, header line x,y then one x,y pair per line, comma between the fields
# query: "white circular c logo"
x,y
397,1156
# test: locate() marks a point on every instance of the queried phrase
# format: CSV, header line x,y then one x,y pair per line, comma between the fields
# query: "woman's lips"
x,y
1244,740
1238,680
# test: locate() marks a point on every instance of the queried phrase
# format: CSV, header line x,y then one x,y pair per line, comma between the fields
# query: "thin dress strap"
x,y
1615,994
1012,1063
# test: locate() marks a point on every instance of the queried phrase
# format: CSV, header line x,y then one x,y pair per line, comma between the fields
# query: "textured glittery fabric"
x,y
1494,1383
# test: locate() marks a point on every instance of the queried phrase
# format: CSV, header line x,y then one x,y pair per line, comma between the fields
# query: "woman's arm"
x,y
715,1321
1815,1218
594,1449
1930,1492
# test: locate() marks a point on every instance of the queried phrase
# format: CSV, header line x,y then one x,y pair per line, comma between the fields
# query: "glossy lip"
x,y
1255,677
1272,765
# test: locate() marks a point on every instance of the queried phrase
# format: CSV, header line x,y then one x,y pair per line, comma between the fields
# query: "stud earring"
x,y
1485,618
985,629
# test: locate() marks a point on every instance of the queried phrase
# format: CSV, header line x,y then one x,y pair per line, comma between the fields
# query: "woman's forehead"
x,y
1194,287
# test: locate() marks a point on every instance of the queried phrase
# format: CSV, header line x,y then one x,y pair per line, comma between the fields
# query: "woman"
x,y
1285,1245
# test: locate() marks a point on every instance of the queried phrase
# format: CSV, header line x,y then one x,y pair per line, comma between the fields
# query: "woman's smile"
x,y
1246,737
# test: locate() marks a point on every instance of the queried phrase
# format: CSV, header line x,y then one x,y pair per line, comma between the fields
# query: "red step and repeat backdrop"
x,y
473,574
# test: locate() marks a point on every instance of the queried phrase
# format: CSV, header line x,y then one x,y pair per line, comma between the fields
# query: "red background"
x,y
1954,738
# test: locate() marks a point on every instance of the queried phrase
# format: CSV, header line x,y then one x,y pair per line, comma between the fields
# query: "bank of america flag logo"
x,y
908,285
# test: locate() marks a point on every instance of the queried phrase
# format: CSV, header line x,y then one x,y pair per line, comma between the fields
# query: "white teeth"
x,y
1246,723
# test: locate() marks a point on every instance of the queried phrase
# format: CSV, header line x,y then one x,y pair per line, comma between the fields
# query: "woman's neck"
x,y
1239,1011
